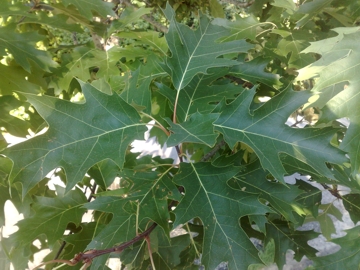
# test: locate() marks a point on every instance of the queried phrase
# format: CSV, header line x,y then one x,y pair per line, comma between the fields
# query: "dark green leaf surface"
x,y
254,71
281,198
202,93
195,52
285,239
264,130
198,129
51,213
121,228
79,136
220,207
351,203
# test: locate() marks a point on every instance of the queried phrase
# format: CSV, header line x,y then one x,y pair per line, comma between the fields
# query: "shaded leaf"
x,y
22,47
51,213
284,239
253,179
220,208
104,173
254,71
13,78
347,257
198,129
87,8
351,204
202,94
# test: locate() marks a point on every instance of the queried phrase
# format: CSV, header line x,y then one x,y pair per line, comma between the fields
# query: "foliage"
x,y
220,82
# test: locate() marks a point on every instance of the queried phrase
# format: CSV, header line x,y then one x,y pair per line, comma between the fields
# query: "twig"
x,y
213,151
87,257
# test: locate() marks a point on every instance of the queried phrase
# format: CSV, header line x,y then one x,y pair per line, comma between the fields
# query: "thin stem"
x,y
192,240
175,106
213,151
147,239
157,122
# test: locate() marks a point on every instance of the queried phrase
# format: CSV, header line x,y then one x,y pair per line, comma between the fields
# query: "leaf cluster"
x,y
245,92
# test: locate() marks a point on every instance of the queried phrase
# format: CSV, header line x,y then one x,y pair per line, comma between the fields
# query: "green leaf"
x,y
78,137
241,28
150,38
129,16
12,124
137,89
347,257
220,208
339,64
285,239
60,21
13,78
196,51
104,173
80,63
291,46
310,9
202,94
198,129
120,229
151,190
147,199
51,217
253,179
253,71
289,5
310,199
264,130
351,204
85,7
21,46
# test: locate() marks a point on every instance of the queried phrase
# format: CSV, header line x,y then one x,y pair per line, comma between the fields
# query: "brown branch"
x,y
87,257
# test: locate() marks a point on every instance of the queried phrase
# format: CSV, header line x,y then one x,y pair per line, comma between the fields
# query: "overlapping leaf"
x,y
339,64
254,71
144,194
265,132
220,207
347,257
195,52
86,8
202,93
137,89
22,48
51,213
198,129
79,136
121,228
281,198
286,239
